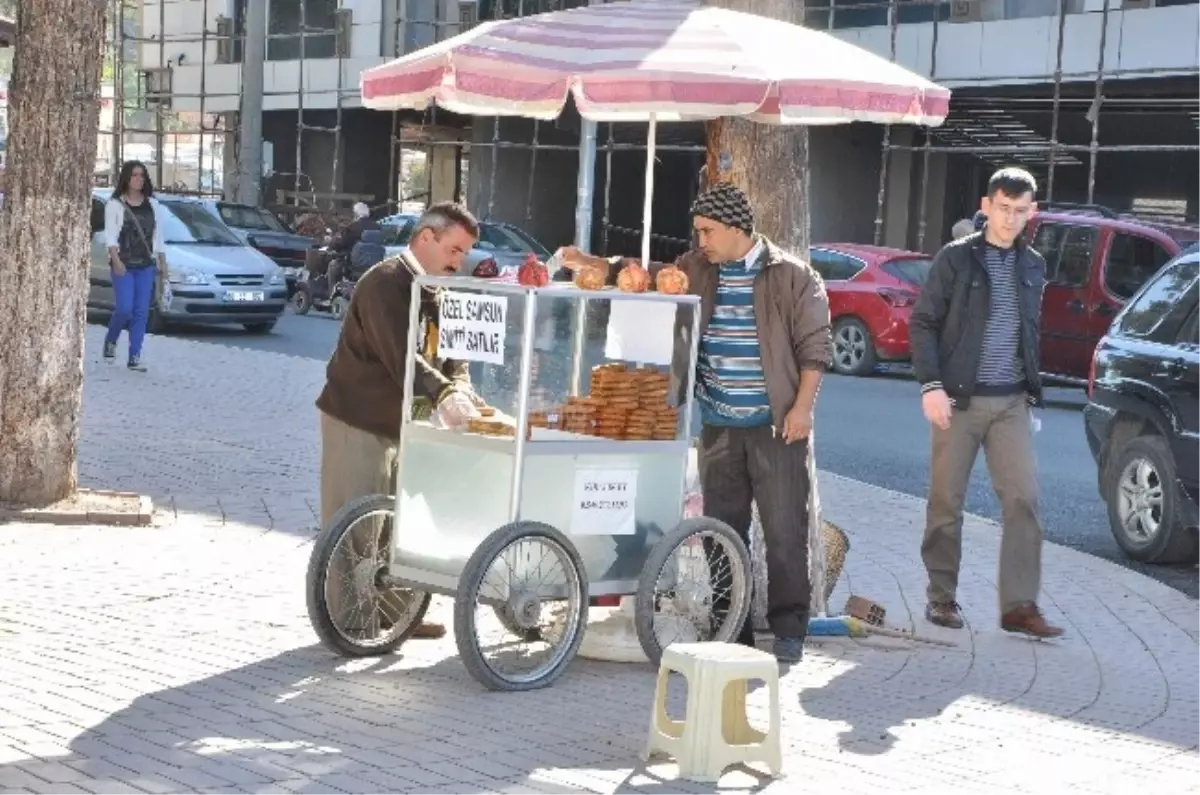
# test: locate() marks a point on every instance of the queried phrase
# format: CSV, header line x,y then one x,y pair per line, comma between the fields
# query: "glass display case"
x,y
588,399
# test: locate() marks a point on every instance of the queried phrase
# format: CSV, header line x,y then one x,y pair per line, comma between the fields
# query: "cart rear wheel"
x,y
351,608
533,575
694,587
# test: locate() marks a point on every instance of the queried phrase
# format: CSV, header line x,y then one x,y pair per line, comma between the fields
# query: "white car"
x,y
215,277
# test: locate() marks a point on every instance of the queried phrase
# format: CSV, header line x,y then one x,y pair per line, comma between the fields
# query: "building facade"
x,y
1121,71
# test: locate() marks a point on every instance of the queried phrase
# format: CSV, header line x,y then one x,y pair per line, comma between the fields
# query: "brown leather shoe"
x,y
1028,620
944,614
430,630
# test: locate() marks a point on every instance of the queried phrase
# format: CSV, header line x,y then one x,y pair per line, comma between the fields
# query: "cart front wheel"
x,y
521,607
695,587
351,608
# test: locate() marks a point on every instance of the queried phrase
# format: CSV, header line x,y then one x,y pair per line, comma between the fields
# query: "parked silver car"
x,y
215,278
505,244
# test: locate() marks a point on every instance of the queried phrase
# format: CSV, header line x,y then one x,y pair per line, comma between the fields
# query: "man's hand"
x,y
936,405
475,399
456,408
798,423
118,267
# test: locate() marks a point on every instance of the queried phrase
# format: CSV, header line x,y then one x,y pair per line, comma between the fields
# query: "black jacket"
x,y
947,324
368,251
353,232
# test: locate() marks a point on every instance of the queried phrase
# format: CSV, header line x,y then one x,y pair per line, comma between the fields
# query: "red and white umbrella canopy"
x,y
675,59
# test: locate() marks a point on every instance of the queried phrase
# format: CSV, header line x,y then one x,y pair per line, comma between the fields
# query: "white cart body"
x,y
454,489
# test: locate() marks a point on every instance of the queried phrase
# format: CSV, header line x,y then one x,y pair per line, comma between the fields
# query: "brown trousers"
x,y
1002,426
356,464
741,466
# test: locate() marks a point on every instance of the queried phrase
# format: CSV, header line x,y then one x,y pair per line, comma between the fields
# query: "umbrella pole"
x,y
648,204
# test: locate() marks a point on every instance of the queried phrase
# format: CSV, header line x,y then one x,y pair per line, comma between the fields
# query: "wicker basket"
x,y
837,544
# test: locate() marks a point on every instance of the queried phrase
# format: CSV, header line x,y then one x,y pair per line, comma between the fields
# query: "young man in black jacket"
x,y
975,338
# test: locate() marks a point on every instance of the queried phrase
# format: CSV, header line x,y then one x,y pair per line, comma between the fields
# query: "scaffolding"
x,y
189,147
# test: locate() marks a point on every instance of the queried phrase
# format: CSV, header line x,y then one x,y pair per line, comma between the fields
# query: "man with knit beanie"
x,y
765,343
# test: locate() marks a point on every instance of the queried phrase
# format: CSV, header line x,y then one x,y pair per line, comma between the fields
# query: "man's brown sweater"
x,y
364,382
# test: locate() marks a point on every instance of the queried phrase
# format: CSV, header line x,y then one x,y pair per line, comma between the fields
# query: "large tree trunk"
x,y
771,164
54,107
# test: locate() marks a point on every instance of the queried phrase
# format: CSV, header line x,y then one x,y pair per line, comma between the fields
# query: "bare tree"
x,y
54,108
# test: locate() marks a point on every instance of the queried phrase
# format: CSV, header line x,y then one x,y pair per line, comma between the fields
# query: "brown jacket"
x,y
791,309
364,382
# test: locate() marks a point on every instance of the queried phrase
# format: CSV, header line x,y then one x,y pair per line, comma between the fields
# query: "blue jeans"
x,y
133,291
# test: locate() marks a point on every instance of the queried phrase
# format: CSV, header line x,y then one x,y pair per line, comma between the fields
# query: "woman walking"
x,y
133,233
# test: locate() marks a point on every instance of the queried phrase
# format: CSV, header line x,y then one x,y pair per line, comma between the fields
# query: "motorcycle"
x,y
313,290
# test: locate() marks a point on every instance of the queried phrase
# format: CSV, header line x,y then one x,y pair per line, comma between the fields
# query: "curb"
x,y
68,515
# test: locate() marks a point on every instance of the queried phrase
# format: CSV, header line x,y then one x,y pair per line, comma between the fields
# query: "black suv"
x,y
1142,414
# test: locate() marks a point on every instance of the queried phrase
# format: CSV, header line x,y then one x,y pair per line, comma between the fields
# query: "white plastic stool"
x,y
715,732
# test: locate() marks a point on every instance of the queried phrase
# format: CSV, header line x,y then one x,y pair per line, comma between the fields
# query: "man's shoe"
x,y
135,364
110,351
944,614
429,629
789,650
1028,620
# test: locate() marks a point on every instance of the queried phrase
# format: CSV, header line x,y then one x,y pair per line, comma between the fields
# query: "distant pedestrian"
x,y
133,223
968,226
975,338
962,229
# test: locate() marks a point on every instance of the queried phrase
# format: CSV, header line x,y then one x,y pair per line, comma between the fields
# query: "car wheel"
x,y
1143,503
853,350
260,328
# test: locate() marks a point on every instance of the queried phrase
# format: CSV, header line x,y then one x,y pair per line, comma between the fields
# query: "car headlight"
x,y
184,276
277,276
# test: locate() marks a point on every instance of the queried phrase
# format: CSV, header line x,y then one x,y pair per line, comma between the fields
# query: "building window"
x,y
286,33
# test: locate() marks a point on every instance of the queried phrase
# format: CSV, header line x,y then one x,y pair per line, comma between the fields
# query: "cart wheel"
x,y
513,626
694,587
513,572
353,612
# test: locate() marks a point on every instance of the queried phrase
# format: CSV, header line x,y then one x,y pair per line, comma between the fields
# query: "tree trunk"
x,y
54,107
770,163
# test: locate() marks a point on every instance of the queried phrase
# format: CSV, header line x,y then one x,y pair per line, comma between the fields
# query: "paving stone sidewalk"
x,y
179,657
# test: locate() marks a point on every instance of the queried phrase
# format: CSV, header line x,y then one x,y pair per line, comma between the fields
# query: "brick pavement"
x,y
179,657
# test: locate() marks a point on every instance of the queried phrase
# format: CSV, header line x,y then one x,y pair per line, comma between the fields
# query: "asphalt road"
x,y
871,429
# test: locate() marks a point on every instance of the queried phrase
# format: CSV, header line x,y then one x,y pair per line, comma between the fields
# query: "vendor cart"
x,y
568,491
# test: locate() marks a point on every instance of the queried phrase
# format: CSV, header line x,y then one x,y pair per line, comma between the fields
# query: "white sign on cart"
x,y
604,502
471,327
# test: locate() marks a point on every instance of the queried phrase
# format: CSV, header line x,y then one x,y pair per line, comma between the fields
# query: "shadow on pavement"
x,y
304,721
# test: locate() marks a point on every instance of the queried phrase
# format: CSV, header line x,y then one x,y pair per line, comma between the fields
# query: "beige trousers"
x,y
357,464
1002,427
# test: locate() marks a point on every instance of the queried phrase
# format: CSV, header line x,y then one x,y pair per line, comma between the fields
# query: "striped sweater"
x,y
730,383
1001,366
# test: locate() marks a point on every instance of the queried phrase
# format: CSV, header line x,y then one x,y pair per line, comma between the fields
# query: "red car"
x,y
1096,259
871,295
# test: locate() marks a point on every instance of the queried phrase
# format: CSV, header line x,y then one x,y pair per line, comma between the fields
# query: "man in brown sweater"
x,y
362,402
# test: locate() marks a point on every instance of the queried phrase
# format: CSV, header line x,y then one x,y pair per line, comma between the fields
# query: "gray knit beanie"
x,y
725,204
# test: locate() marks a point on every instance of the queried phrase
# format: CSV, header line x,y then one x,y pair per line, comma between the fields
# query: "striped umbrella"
x,y
674,59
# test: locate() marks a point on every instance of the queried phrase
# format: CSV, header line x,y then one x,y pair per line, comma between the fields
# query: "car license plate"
x,y
244,296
